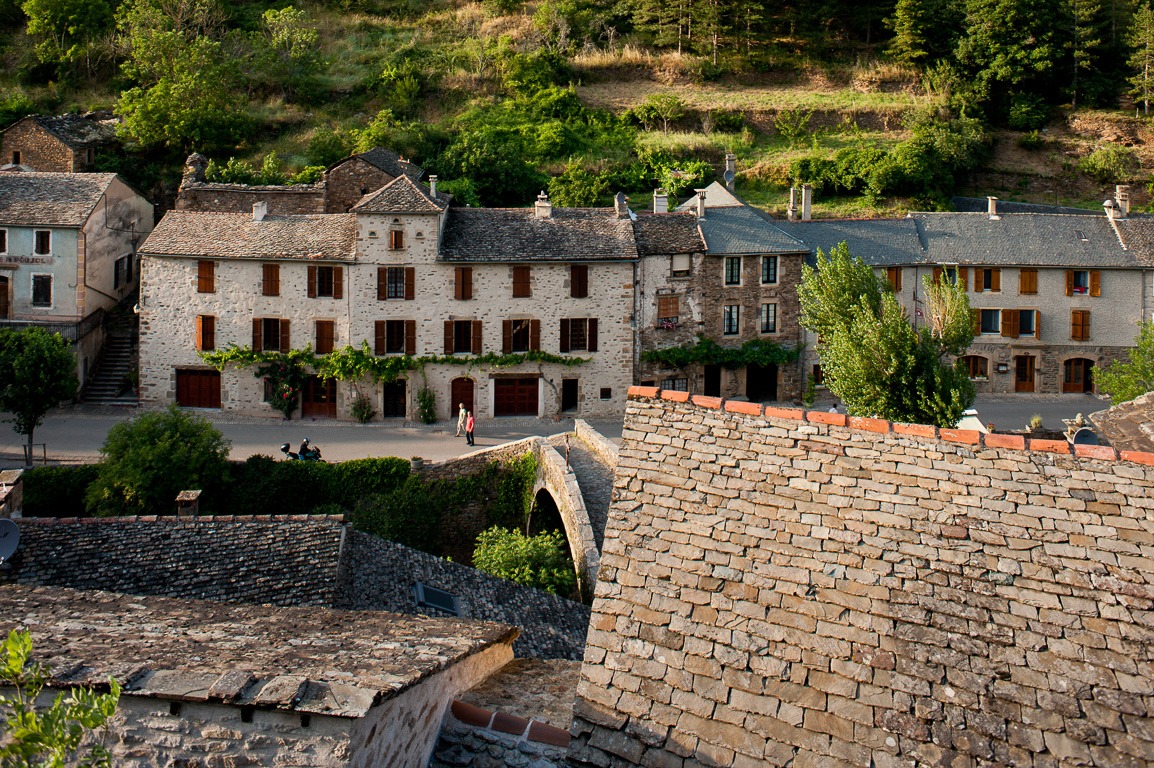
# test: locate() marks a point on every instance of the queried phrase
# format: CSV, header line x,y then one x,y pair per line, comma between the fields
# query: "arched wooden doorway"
x,y
1078,375
461,391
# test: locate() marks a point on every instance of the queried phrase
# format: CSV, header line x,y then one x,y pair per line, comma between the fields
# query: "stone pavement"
x,y
594,476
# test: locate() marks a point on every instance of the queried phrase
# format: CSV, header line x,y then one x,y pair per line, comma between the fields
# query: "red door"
x,y
515,397
319,397
197,388
461,391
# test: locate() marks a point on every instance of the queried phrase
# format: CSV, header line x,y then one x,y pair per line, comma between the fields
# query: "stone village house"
x,y
57,143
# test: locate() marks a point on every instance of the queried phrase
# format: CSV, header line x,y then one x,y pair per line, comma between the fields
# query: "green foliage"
x,y
1109,165
874,360
497,163
501,7
411,516
286,48
1140,39
261,485
793,124
37,371
427,405
362,408
663,108
538,561
1031,141
49,737
152,458
68,30
464,192
1028,112
514,492
810,393
577,187
239,172
57,491
327,146
310,174
15,105
527,73
706,351
1127,380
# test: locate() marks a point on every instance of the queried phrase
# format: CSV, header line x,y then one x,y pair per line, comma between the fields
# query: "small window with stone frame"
x,y
463,336
733,270
768,270
520,336
730,319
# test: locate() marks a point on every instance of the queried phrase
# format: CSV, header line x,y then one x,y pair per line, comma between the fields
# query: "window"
x,y
42,290
976,366
270,334
439,599
681,265
396,283
894,275
326,282
579,281
769,318
768,270
43,245
519,335
1080,325
733,270
1080,282
988,280
206,277
3,241
668,311
122,271
606,393
326,335
463,283
396,239
818,375
206,332
394,337
16,157
677,385
463,336
991,321
579,334
1027,281
1027,322
269,390
270,280
520,282
730,317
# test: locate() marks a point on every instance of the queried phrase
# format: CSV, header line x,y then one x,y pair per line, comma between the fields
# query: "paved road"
x,y
1014,413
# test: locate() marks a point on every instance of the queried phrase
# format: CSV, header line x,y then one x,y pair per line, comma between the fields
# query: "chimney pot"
x,y
1111,209
806,202
791,211
1122,195
433,186
700,203
992,208
660,201
621,205
543,209
730,171
259,210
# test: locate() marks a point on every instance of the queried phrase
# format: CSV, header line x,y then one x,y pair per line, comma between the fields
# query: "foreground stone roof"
x,y
1128,426
403,195
324,661
50,199
516,234
667,233
330,237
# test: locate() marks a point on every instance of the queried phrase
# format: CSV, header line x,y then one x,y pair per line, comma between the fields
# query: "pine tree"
x,y
1141,41
912,24
1084,39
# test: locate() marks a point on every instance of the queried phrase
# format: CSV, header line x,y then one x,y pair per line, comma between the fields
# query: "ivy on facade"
x,y
706,351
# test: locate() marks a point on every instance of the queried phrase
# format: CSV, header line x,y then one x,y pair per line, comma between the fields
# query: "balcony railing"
x,y
71,331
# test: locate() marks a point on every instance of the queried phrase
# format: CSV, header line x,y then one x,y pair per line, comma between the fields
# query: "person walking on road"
x,y
469,423
461,420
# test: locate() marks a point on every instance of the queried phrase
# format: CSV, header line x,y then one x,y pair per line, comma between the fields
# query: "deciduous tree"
x,y
1127,380
37,371
533,561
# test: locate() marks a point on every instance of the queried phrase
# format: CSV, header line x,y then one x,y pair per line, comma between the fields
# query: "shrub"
x,y
362,408
427,406
262,485
1028,111
58,491
1031,141
577,187
327,146
410,515
1108,164
539,561
792,124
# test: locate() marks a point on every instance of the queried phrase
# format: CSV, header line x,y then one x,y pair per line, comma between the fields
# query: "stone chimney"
x,y
1111,209
806,201
543,209
621,205
660,201
433,187
188,503
992,208
194,168
700,203
1122,197
730,171
791,211
259,210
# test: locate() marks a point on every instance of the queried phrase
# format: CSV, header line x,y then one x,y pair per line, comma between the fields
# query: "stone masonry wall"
x,y
801,588
238,198
278,560
346,184
39,150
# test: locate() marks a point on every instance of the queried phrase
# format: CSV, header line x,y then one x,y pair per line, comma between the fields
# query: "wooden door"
x,y
197,388
1077,375
1024,373
515,397
394,403
3,298
319,398
461,391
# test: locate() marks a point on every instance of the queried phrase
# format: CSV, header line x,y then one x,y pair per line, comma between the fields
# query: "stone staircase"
x,y
106,387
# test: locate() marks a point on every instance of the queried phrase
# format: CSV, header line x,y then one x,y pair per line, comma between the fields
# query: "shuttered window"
x,y
206,332
326,334
396,283
270,334
326,282
1080,325
1028,281
668,309
462,336
579,281
579,333
1080,282
43,242
976,366
520,282
463,283
396,239
270,280
1027,322
987,280
1010,323
520,336
681,264
395,337
894,275
206,277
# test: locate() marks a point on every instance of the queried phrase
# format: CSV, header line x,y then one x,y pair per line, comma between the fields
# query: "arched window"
x,y
977,366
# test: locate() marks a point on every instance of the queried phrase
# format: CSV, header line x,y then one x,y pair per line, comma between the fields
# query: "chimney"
x,y
433,187
1122,196
791,211
700,203
1111,209
730,171
621,205
806,201
259,210
992,208
660,201
543,208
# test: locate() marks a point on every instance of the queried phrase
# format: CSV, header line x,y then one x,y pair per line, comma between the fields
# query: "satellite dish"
x,y
1085,436
728,175
9,538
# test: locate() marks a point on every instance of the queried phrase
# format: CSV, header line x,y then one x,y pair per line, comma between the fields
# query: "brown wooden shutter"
x,y
270,282
475,348
579,281
448,337
206,333
1069,282
592,334
937,275
506,336
312,282
206,277
468,288
1095,283
200,332
976,317
379,341
285,344
995,279
382,283
1076,325
520,282
326,334
410,337
565,335
1085,325
979,280
1010,323
256,343
458,283
338,282
410,283
964,278
1037,325
535,335
1024,281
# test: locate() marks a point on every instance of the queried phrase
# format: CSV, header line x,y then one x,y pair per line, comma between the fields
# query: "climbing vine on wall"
x,y
706,351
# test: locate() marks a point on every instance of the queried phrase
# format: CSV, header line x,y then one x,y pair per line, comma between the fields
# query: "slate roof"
x,y
665,233
981,205
1128,426
1138,234
516,234
235,235
874,241
50,199
389,162
732,226
403,195
78,131
307,659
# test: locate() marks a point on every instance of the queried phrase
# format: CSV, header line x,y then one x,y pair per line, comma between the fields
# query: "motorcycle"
x,y
306,453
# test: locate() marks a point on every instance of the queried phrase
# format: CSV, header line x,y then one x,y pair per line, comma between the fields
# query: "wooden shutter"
x,y
206,277
396,239
976,317
667,306
326,334
579,281
338,282
565,335
379,340
1095,283
506,336
285,344
937,275
207,332
979,280
1085,325
1028,281
382,283
475,347
1010,323
270,283
448,337
256,342
1037,325
535,335
410,283
521,282
894,275
592,334
995,279
200,332
458,284
312,282
463,286
964,278
1069,282
410,337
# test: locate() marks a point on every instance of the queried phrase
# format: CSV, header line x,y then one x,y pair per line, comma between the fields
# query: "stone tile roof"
x,y
403,195
325,661
516,234
390,162
79,131
981,204
874,241
1128,426
1138,235
1022,239
662,233
235,235
732,226
50,199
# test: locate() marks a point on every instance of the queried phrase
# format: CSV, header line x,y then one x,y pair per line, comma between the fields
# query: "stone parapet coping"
x,y
173,518
966,437
518,727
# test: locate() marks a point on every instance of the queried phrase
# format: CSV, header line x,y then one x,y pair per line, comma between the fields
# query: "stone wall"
x,y
39,150
558,479
348,182
597,442
265,559
801,588
239,198
378,575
